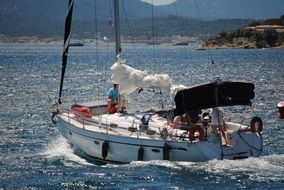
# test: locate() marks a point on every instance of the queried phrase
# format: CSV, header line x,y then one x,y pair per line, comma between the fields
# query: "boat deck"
x,y
131,125
127,125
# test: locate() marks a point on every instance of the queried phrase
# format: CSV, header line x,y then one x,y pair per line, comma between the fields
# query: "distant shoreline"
x,y
204,46
231,46
125,39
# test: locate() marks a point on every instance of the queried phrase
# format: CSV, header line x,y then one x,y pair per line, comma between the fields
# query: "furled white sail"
x,y
130,79
176,88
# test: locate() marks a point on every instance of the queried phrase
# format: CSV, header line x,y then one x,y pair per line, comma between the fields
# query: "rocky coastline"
x,y
211,44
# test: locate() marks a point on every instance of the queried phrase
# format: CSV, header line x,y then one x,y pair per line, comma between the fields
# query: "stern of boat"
x,y
242,142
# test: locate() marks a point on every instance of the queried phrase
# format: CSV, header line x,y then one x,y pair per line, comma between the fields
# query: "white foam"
x,y
59,147
257,169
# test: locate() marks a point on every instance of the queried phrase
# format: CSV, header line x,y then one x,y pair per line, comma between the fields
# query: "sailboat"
x,y
186,132
76,44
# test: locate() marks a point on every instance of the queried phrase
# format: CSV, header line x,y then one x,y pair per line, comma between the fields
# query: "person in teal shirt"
x,y
113,96
113,93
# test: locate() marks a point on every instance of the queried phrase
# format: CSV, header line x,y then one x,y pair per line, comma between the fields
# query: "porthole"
x,y
97,142
155,150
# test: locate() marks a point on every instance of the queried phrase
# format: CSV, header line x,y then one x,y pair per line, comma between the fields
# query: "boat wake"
x,y
60,149
255,169
258,169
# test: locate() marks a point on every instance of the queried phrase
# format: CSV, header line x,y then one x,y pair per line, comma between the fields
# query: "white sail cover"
x,y
130,79
176,88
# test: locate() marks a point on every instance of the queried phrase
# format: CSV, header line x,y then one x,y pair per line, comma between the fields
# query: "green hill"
x,y
46,18
163,26
264,34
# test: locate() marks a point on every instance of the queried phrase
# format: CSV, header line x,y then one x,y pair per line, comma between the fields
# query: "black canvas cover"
x,y
204,96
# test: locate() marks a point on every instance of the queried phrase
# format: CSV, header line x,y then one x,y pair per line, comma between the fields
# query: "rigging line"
x,y
251,146
175,7
245,115
201,25
110,24
96,30
176,12
197,10
129,28
153,35
174,52
106,58
96,38
68,22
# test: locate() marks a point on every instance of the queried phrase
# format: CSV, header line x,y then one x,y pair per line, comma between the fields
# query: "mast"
x,y
117,28
68,22
121,100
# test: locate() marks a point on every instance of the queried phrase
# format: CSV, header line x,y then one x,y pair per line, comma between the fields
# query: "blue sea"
x,y
33,155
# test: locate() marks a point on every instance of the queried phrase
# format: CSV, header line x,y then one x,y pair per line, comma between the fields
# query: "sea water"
x,y
33,155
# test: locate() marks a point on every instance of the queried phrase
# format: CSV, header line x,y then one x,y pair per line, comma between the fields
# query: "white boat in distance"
x,y
155,135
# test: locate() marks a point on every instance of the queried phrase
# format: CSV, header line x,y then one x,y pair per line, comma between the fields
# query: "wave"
x,y
259,169
256,169
60,149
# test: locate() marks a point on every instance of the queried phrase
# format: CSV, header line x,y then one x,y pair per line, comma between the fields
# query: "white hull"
x,y
125,137
123,146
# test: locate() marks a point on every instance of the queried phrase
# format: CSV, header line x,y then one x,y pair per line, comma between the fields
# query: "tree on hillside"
x,y
223,34
266,39
280,40
270,36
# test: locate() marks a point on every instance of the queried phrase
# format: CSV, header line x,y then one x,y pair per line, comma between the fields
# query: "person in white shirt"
x,y
217,122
